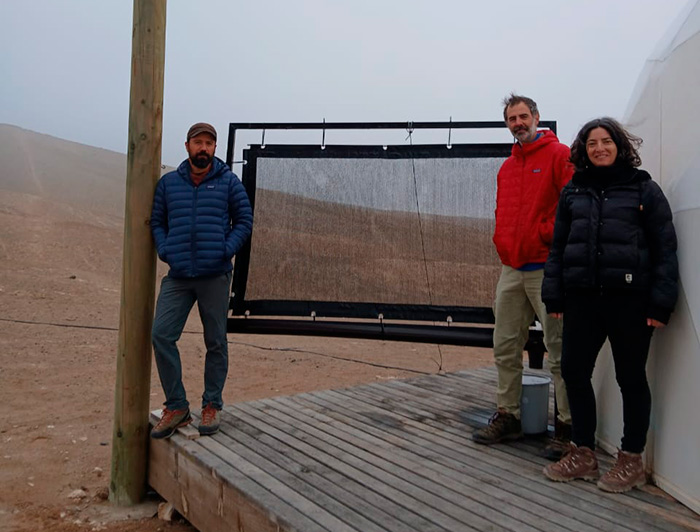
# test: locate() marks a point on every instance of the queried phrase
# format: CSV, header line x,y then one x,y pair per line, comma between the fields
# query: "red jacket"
x,y
529,184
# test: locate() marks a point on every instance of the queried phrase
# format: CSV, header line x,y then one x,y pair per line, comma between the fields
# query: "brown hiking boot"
x,y
211,419
559,445
579,462
502,427
170,421
627,473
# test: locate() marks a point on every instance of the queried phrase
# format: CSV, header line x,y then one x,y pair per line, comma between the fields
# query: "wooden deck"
x,y
394,456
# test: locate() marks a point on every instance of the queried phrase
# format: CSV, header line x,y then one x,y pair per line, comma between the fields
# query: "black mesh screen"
x,y
356,230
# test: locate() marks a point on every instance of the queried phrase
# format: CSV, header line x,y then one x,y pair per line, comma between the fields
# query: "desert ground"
x,y
61,208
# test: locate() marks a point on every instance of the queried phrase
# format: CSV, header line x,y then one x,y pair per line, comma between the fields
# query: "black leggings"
x,y
588,320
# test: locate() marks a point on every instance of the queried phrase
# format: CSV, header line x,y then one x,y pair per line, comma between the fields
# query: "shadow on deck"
x,y
394,456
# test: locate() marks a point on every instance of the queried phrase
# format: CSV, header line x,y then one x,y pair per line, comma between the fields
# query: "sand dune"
x,y
61,215
62,171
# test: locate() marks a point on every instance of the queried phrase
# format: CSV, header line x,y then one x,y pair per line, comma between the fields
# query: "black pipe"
x,y
432,334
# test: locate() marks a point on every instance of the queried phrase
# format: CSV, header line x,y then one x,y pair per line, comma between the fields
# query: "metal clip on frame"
x,y
449,136
409,130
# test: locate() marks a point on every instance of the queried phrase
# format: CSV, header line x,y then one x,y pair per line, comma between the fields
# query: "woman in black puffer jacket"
x,y
611,273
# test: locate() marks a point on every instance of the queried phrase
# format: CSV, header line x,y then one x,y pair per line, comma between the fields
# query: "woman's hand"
x,y
557,315
651,322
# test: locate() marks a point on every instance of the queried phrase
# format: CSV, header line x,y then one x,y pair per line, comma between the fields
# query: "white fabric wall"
x,y
665,112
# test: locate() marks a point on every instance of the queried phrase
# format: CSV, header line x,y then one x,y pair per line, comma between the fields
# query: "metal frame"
x,y
367,310
233,127
364,320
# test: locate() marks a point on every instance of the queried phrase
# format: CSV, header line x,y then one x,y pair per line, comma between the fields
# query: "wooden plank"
x,y
419,449
264,473
456,404
666,506
309,500
395,456
649,494
411,456
467,410
444,461
171,477
447,411
364,468
354,468
162,470
599,497
469,413
412,472
354,479
235,498
530,472
457,411
340,487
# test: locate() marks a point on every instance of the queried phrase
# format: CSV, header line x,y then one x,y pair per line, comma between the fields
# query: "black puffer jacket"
x,y
614,234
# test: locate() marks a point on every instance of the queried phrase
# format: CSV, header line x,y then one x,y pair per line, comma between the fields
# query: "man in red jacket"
x,y
529,184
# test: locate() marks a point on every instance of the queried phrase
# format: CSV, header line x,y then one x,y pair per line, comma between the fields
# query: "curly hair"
x,y
627,144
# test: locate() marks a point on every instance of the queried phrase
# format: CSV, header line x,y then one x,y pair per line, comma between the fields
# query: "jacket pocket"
x,y
224,252
162,253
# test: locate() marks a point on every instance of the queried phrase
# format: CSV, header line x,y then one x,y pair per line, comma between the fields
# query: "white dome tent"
x,y
665,112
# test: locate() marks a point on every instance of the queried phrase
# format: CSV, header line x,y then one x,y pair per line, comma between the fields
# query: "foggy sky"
x,y
66,64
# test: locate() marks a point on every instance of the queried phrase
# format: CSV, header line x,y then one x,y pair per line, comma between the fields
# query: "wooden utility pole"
x,y
132,394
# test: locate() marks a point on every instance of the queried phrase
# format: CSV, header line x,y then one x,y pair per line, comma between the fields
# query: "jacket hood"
x,y
546,137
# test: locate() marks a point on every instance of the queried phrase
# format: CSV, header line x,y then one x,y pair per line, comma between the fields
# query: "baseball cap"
x,y
201,127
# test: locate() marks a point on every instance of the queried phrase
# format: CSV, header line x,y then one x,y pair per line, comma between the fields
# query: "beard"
x,y
525,133
201,160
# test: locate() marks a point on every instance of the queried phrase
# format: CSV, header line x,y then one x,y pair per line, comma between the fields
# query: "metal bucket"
x,y
534,404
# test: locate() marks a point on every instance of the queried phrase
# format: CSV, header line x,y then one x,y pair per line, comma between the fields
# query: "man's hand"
x,y
557,315
651,322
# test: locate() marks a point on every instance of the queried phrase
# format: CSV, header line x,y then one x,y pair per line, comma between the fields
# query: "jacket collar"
x,y
217,167
523,150
603,177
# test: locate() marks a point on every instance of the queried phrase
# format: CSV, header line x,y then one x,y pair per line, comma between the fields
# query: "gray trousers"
x,y
175,301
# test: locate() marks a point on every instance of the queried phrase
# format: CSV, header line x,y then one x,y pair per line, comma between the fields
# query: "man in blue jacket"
x,y
201,218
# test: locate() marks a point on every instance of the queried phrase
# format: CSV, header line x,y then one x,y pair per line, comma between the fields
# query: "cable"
x,y
295,350
409,128
290,349
96,327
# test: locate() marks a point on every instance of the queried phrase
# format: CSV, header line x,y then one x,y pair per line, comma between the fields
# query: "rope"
x,y
290,349
409,129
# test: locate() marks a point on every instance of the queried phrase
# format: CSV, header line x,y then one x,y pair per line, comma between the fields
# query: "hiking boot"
x,y
627,473
170,421
559,445
502,427
579,462
211,419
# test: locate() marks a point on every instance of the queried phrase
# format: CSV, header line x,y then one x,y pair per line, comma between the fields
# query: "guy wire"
x,y
409,128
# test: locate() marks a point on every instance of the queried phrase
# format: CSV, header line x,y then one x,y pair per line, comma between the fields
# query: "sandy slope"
x,y
60,257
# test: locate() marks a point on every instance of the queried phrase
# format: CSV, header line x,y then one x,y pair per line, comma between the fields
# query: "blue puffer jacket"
x,y
198,229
